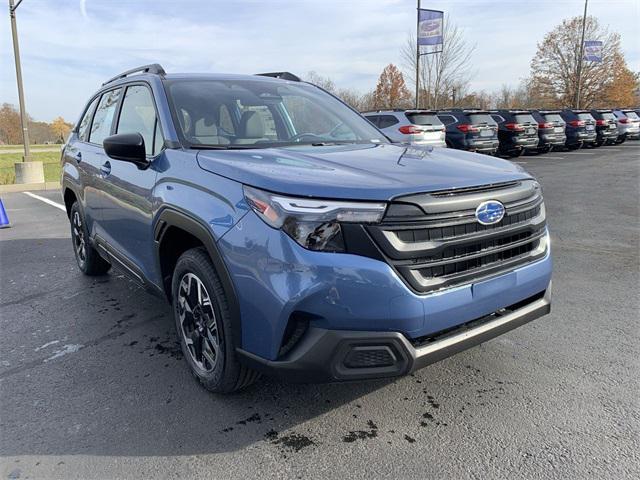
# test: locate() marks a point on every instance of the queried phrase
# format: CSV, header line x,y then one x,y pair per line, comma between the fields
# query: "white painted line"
x,y
552,157
580,153
521,163
46,200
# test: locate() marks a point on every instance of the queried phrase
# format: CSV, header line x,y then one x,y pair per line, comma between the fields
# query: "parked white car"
x,y
418,127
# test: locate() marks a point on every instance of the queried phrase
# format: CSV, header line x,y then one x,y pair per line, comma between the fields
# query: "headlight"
x,y
314,224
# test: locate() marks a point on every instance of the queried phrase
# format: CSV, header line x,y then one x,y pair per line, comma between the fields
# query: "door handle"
x,y
78,157
106,168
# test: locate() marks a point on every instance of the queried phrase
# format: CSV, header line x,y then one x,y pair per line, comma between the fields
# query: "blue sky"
x,y
69,47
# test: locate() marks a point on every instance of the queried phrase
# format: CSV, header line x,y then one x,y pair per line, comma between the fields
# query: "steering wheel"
x,y
300,136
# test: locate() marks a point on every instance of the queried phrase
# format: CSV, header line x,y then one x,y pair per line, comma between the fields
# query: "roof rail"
x,y
281,76
154,68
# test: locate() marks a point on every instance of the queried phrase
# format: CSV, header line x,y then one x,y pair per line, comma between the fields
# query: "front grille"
x,y
440,244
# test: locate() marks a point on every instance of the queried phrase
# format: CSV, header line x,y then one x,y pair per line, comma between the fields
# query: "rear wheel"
x,y
89,260
203,323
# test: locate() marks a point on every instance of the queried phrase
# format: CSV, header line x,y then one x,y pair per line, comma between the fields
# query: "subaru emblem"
x,y
490,212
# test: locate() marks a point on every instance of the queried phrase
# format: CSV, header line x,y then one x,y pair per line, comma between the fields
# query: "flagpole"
x,y
581,59
417,54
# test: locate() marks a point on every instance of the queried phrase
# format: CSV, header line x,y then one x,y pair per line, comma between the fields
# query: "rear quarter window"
x,y
387,121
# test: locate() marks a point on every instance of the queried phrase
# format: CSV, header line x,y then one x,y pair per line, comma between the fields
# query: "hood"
x,y
358,172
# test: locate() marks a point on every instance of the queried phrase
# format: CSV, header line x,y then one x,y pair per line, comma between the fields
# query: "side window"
x,y
225,121
387,120
83,129
447,119
138,115
373,119
103,118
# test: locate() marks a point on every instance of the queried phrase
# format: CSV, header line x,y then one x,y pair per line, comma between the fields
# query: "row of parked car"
x,y
509,132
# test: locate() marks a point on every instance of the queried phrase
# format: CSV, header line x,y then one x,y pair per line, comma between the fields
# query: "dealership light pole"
x,y
27,171
16,53
581,57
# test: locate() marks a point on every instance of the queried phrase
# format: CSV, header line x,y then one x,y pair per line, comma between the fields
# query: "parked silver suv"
x,y
420,127
628,124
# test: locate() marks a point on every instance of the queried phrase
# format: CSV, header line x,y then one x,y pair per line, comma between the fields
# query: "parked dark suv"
x,y
580,128
471,130
517,131
606,126
290,236
550,130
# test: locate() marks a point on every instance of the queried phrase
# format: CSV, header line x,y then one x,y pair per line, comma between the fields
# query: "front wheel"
x,y
204,324
89,260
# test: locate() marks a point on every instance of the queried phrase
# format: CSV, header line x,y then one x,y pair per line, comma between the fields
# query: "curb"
x,y
25,187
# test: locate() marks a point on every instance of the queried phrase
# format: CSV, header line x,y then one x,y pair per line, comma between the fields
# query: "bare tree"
x,y
554,68
323,82
444,75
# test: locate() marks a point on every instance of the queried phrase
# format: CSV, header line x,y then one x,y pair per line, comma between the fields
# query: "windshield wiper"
x,y
200,146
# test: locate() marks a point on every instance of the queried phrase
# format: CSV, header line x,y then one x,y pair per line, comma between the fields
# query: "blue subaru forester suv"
x,y
290,236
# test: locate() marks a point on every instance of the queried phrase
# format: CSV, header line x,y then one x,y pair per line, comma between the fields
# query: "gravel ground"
x,y
92,384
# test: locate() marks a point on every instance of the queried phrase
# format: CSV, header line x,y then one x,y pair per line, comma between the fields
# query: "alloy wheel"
x,y
198,323
78,237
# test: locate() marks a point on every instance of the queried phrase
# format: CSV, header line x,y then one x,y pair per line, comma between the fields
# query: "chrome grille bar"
x,y
445,245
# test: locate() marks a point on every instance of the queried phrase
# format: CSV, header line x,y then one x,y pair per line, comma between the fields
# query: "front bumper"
x,y
280,284
340,355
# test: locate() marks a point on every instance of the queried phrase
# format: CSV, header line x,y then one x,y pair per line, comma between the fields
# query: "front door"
x,y
127,190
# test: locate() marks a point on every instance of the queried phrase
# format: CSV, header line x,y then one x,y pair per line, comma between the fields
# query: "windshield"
x,y
525,118
423,119
608,116
553,117
632,115
586,116
481,119
262,114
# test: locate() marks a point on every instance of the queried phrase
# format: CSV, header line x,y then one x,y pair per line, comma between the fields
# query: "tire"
x,y
204,324
89,260
515,153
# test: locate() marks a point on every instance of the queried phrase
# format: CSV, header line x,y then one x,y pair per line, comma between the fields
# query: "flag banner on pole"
x,y
593,51
430,27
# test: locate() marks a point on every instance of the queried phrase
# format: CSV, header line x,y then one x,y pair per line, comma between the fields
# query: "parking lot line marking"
x,y
581,153
553,158
46,200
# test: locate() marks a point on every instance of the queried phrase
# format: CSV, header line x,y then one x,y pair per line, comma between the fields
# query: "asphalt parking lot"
x,y
92,384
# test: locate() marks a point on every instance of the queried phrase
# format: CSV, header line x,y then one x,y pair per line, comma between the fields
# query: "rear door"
x,y
127,211
93,157
75,153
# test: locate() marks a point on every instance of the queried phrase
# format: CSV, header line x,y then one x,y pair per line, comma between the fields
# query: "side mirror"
x,y
128,147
